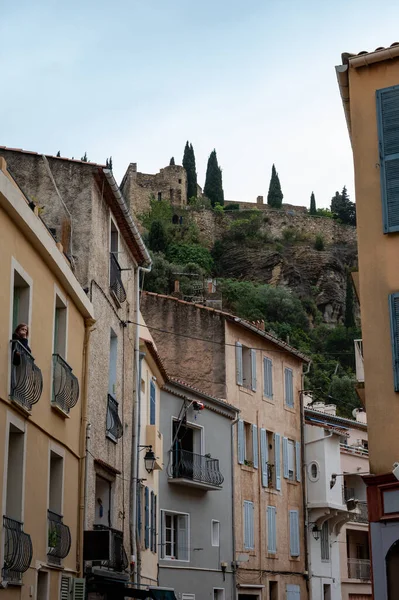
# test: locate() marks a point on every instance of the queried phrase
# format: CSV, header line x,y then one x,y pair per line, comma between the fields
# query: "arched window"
x,y
175,219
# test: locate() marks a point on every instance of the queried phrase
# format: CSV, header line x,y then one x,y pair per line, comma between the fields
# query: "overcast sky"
x,y
135,79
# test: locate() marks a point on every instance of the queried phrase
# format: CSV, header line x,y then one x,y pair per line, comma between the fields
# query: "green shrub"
x,y
319,242
232,207
190,253
290,234
247,227
218,209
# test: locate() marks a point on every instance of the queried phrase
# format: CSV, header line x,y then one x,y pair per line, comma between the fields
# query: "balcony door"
x,y
186,449
392,566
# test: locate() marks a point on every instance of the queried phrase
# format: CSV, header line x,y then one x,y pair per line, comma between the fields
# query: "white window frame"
x,y
60,452
193,426
219,590
165,512
64,300
326,541
48,582
213,523
12,419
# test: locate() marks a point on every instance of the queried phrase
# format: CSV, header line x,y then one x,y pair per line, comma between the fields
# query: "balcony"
x,y
114,424
361,515
115,280
359,360
358,450
65,385
26,377
359,568
17,551
194,470
59,538
117,560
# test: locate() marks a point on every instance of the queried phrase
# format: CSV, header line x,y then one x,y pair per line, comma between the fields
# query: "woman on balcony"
x,y
20,335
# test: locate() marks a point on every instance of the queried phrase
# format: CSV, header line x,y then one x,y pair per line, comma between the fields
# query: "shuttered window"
x,y
152,403
388,143
139,510
249,539
285,458
153,528
175,536
240,442
298,460
147,517
253,370
78,589
394,319
239,363
255,446
264,457
289,387
271,530
293,592
277,463
65,588
294,533
267,378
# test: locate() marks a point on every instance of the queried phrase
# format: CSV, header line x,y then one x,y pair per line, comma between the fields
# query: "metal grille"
x,y
26,377
65,384
361,515
118,560
359,569
17,550
59,538
115,280
114,424
196,467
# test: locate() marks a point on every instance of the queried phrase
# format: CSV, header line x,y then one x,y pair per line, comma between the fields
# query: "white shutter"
x,y
293,592
253,370
238,363
264,453
240,442
294,533
271,530
65,588
267,378
298,460
182,537
249,525
255,445
285,458
78,589
277,465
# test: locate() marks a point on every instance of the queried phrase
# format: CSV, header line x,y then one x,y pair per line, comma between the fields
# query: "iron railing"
x,y
115,279
118,560
360,450
17,550
59,538
359,568
114,424
26,377
362,515
65,385
196,467
348,493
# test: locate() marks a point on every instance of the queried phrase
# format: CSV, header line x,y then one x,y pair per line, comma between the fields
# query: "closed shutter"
x,y
139,510
240,442
238,363
293,592
152,523
289,391
65,588
285,458
388,142
154,531
267,378
264,456
249,541
182,537
162,534
298,460
152,403
271,530
394,318
147,517
253,370
294,533
79,589
277,466
255,445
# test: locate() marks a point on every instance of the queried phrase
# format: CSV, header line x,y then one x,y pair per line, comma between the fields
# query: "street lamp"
x,y
316,532
149,459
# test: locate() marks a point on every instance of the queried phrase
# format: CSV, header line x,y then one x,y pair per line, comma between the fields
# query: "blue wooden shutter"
x,y
249,541
388,142
139,516
293,592
78,589
253,370
394,318
264,455
298,460
289,391
277,465
240,442
255,445
294,533
238,363
152,522
147,517
285,458
155,524
267,378
271,530
152,403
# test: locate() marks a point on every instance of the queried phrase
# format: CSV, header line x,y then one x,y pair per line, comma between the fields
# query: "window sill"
x,y
271,490
110,437
246,390
248,468
175,560
272,555
25,411
59,410
290,482
290,409
295,558
269,400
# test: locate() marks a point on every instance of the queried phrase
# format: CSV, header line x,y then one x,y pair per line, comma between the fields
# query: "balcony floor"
x,y
200,485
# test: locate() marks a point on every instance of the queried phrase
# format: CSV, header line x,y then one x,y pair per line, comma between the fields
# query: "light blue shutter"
x,y
293,592
147,517
139,523
271,530
152,523
388,142
182,537
268,378
294,533
253,370
289,392
152,404
298,460
394,319
78,589
249,540
255,445
277,465
238,363
285,458
264,454
240,442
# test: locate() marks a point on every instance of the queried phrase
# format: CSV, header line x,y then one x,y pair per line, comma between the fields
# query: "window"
x,y
273,590
115,271
153,522
294,532
114,239
215,533
293,592
103,502
60,327
218,594
179,180
247,438
324,542
146,517
113,358
277,464
289,387
139,510
175,536
159,196
42,585
56,482
245,366
267,458
15,472
327,591
267,378
249,538
152,403
20,300
291,459
313,471
271,530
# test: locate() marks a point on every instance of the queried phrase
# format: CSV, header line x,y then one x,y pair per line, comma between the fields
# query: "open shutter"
x,y
253,370
154,532
238,363
271,530
182,537
277,466
65,588
394,318
285,458
152,403
267,378
78,589
294,533
147,517
264,456
255,445
298,460
388,142
293,592
240,442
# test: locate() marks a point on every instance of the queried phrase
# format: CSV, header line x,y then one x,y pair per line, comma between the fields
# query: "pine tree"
x,y
58,154
349,320
342,207
157,239
213,188
172,162
108,163
189,165
313,210
84,158
275,195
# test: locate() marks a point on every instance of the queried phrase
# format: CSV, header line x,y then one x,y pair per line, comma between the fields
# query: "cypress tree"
x,y
189,165
59,154
313,210
172,162
213,188
275,195
84,158
157,239
342,207
349,320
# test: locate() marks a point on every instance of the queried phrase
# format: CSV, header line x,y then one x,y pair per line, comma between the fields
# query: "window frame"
x,y
174,514
289,402
215,522
246,545
325,542
268,393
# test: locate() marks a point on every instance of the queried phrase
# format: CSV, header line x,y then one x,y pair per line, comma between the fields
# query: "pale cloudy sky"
x,y
136,79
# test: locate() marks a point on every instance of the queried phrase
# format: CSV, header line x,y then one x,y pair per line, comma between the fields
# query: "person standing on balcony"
x,y
20,335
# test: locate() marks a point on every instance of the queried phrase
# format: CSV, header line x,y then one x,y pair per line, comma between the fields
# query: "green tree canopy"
x,y
84,158
157,238
342,208
349,308
189,165
172,162
313,210
275,195
184,254
213,188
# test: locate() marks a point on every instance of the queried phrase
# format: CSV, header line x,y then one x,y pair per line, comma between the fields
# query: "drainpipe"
x,y
304,485
233,508
141,356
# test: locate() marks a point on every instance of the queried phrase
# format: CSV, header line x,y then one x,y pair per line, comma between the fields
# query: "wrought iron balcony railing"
x,y
17,550
118,560
361,515
65,385
115,279
114,424
26,377
203,469
59,538
359,568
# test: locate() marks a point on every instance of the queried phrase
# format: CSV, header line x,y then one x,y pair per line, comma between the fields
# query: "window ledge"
x,y
59,410
246,390
269,400
25,411
270,490
272,555
248,468
110,437
290,409
292,482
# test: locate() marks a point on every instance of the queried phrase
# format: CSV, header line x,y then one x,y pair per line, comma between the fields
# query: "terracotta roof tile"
x,y
74,160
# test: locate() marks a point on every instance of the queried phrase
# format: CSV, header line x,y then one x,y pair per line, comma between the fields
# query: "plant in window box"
x,y
248,463
52,538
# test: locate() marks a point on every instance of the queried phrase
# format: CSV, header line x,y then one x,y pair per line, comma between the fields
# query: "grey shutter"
x,y
285,458
294,533
271,530
267,378
394,320
79,589
388,142
253,370
240,442
182,537
139,515
289,391
152,403
264,454
238,363
293,592
255,445
65,588
298,460
249,542
152,523
147,517
277,465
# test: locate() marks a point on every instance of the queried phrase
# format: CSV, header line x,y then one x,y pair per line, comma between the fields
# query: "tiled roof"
x,y
349,55
83,162
339,420
183,384
337,430
154,352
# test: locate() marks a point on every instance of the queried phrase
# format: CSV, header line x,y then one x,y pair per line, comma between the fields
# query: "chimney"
x,y
259,200
133,167
177,286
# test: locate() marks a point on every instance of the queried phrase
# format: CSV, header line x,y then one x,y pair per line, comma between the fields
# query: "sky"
x,y
135,79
